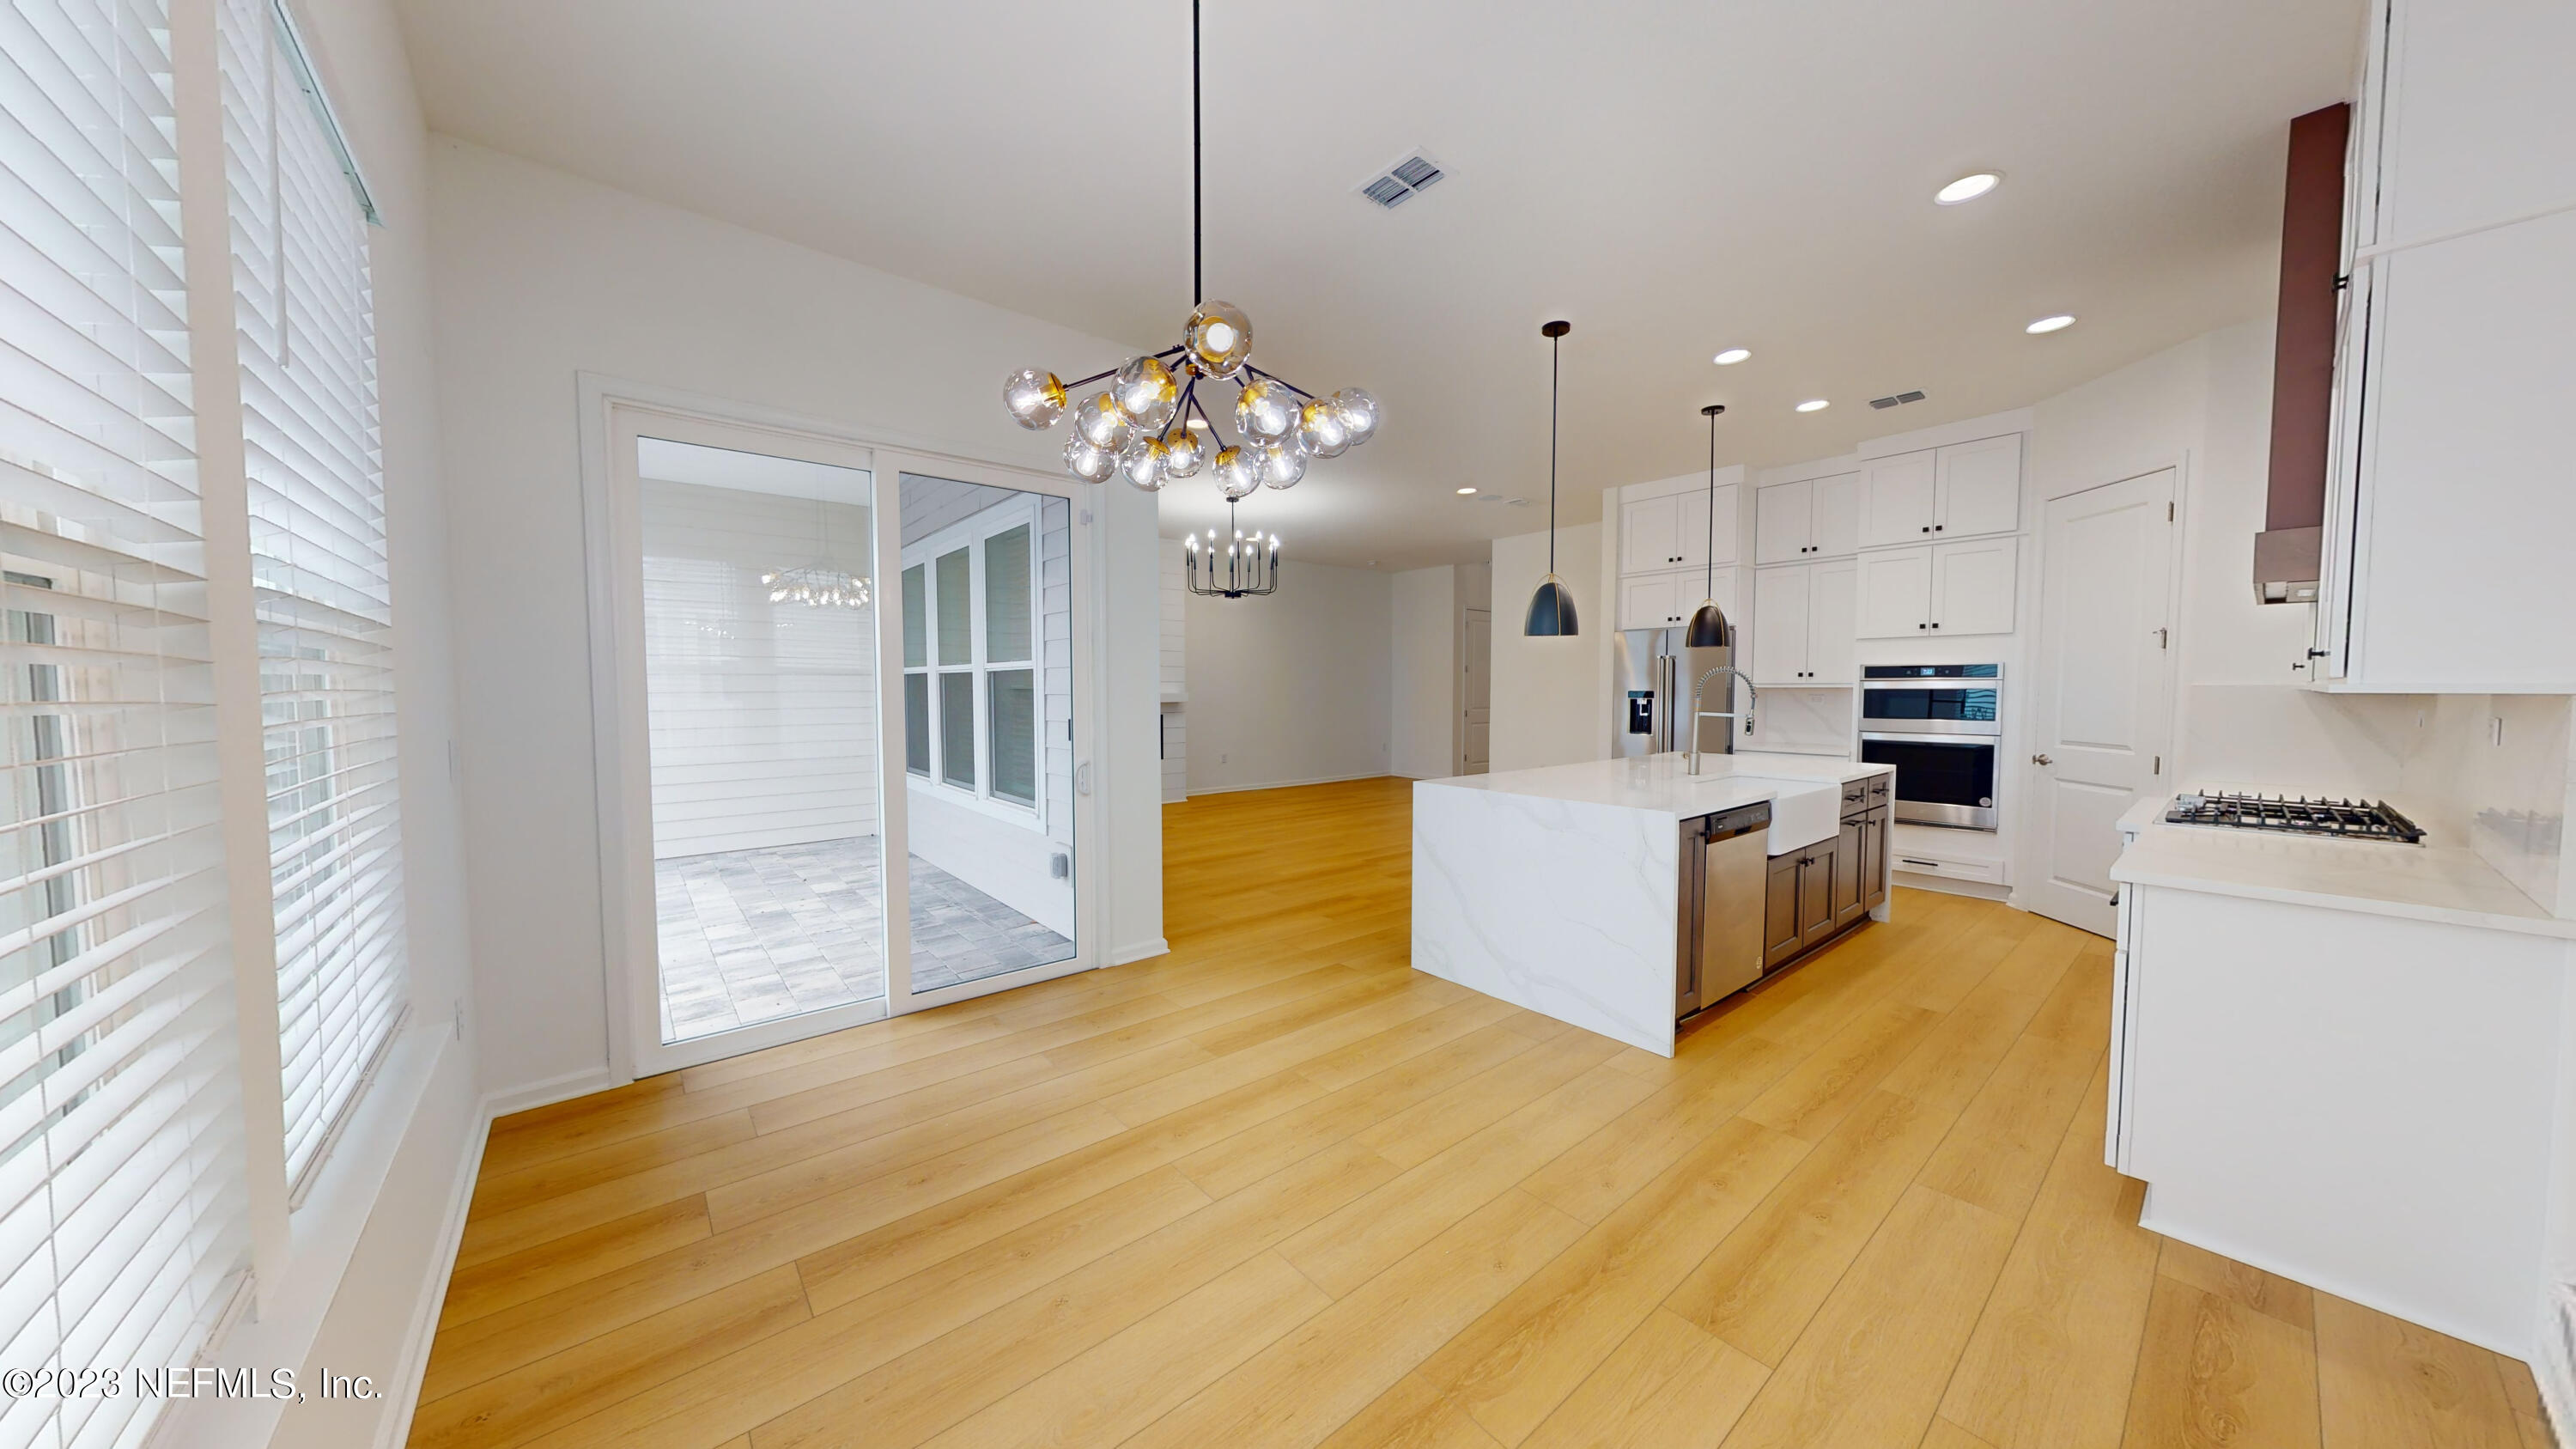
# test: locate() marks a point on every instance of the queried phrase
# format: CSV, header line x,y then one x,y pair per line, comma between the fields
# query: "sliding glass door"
x,y
988,707
844,732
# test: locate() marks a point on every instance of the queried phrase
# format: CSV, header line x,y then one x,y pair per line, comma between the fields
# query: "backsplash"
x,y
1802,722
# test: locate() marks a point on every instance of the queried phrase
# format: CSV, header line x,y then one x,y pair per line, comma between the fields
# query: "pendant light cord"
x,y
1551,449
1198,179
1708,589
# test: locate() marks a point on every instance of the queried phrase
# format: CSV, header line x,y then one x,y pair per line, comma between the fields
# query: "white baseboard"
x,y
549,1091
2553,1358
1197,790
1139,951
395,1426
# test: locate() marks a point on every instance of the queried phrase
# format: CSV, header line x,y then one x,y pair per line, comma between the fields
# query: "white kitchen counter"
x,y
1558,889
2340,1061
2432,882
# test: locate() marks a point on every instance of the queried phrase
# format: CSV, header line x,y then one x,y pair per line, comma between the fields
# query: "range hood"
x,y
2290,550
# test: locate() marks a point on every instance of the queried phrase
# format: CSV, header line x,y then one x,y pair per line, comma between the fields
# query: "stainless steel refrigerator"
x,y
1652,674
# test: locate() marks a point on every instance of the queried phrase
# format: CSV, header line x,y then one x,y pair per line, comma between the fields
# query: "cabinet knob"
x,y
1927,529
1922,626
1936,625
1936,528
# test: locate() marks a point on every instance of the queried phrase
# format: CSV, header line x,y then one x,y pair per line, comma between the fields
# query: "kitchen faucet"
x,y
1752,698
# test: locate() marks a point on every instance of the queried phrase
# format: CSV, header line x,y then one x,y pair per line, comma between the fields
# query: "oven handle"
x,y
1968,742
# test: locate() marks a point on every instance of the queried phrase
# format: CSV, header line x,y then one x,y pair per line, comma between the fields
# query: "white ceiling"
x,y
1672,177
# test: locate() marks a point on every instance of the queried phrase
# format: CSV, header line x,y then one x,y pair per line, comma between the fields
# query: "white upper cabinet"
x,y
1650,535
2450,498
1895,593
1978,488
1664,601
1802,624
1963,490
1965,587
1780,619
1673,532
1896,499
2482,121
1811,518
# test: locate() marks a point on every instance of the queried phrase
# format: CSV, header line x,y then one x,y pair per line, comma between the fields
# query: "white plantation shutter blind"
x,y
317,524
122,1199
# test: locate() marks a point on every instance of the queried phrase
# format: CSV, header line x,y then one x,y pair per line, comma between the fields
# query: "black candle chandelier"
x,y
1251,566
1148,426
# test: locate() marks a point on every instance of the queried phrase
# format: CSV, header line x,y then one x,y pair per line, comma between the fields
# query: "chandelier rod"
x,y
1198,179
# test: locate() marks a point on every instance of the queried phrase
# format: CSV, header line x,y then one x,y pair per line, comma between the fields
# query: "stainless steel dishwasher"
x,y
1718,940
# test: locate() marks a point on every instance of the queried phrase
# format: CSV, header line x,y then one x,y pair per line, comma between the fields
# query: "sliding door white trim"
x,y
613,415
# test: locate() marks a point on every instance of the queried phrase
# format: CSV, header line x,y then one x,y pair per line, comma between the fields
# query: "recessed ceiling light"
x,y
2059,322
1968,188
1463,492
1732,356
1814,405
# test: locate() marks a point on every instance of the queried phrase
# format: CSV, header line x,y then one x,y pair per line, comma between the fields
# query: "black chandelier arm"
x,y
1283,382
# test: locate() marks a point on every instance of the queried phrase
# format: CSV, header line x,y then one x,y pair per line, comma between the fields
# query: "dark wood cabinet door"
x,y
1816,892
1781,934
1849,855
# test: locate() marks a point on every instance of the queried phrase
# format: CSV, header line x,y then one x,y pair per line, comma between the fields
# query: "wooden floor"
x,y
1276,1189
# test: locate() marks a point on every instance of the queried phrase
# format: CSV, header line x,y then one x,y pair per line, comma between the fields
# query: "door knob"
x,y
2041,760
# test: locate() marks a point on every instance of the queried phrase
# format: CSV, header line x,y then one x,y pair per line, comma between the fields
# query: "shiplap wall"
x,y
762,716
1176,638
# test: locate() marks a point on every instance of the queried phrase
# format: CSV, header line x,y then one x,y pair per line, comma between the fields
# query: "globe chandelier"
x,y
1251,568
817,586
1149,424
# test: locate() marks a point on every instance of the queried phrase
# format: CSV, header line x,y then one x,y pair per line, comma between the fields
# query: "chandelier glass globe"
x,y
1102,423
1359,412
1320,428
1185,451
1265,410
1090,464
1218,338
1238,472
1035,398
1144,463
1283,464
1148,393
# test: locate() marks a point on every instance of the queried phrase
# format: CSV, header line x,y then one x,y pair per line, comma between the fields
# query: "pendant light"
x,y
1709,628
1145,426
1551,610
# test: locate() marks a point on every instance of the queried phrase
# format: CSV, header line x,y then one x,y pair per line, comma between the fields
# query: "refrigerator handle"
x,y
1668,669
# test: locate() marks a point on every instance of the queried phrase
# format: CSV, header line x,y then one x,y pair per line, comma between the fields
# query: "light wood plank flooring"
x,y
1277,1189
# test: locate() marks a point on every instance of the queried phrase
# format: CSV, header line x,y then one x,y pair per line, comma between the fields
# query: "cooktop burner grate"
x,y
2350,819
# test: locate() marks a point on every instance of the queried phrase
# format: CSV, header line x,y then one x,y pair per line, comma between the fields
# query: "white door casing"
x,y
2102,692
1477,655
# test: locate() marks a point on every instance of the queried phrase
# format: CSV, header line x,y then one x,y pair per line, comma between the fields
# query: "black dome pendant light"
x,y
1551,610
1709,628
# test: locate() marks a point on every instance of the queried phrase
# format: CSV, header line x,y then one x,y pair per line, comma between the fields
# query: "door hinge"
x,y
2169,512
2164,638
2160,764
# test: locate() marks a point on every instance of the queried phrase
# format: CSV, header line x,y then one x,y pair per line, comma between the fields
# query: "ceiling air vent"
x,y
1897,400
1397,184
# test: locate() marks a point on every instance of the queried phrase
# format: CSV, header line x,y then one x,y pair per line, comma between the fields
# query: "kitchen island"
x,y
1566,889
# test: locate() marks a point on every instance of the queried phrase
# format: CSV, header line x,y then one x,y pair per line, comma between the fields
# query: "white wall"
x,y
1174,597
1426,686
370,1242
763,715
542,276
1550,695
1293,687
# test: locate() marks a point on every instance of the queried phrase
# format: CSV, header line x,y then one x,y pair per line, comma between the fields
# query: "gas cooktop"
x,y
2344,819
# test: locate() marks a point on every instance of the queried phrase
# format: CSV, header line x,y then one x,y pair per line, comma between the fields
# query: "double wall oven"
x,y
1941,726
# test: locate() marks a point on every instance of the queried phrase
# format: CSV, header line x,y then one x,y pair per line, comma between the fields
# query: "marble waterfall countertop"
x,y
2430,882
1804,790
1559,889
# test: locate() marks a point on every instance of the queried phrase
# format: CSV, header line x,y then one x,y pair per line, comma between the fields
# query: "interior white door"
x,y
1980,488
2104,686
1780,624
1896,496
1832,602
1477,649
1972,586
1836,531
1781,522
1649,535
1895,593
